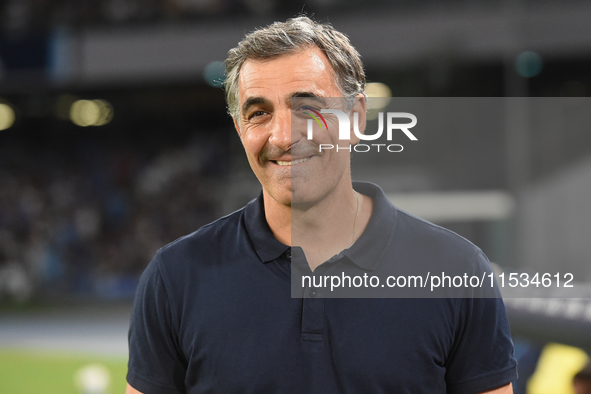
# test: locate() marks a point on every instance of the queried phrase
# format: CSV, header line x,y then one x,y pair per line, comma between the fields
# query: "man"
x,y
214,312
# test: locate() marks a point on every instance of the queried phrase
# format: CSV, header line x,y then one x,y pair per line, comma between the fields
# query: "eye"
x,y
305,111
310,108
256,114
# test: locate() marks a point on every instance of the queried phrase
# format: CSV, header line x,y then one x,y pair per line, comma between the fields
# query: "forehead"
x,y
306,70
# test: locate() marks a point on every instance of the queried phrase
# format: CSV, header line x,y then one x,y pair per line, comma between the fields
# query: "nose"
x,y
283,135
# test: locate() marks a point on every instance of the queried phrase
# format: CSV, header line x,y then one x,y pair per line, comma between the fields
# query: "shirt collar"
x,y
266,246
369,248
366,252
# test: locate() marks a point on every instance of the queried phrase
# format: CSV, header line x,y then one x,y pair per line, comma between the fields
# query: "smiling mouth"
x,y
293,162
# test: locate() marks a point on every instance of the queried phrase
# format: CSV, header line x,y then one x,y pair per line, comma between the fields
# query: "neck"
x,y
322,228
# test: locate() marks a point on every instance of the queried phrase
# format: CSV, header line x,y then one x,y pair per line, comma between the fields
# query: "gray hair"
x,y
281,38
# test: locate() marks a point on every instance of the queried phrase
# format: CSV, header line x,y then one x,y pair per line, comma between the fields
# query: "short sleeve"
x,y
483,357
156,364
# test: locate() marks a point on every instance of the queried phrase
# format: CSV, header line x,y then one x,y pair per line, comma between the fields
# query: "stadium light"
x,y
215,74
379,95
7,116
528,64
91,113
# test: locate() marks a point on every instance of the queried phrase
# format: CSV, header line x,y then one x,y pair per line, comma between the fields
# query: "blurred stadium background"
x,y
114,141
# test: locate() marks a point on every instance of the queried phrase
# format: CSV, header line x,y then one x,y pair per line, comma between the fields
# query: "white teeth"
x,y
291,163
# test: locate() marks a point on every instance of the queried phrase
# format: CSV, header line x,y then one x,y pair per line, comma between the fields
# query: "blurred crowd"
x,y
27,14
88,223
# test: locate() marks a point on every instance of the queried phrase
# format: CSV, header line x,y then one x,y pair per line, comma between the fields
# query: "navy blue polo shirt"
x,y
214,314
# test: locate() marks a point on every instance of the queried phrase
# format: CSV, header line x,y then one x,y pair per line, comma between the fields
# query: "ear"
x,y
359,107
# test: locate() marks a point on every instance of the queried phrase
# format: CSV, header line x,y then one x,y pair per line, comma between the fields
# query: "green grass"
x,y
28,372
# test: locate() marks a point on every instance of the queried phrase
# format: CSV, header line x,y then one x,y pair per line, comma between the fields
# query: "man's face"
x,y
288,165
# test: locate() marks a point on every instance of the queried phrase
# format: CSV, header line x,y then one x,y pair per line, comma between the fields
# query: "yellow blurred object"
x,y
91,112
7,116
379,95
556,368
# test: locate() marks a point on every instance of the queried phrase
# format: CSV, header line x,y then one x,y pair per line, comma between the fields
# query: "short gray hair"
x,y
281,38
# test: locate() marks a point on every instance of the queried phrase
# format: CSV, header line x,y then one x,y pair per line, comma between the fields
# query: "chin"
x,y
301,197
283,197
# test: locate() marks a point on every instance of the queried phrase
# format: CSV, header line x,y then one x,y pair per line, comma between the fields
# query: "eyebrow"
x,y
258,100
253,101
313,96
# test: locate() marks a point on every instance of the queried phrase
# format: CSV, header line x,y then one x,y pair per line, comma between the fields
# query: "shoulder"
x,y
418,229
214,235
413,242
190,257
434,248
456,267
387,218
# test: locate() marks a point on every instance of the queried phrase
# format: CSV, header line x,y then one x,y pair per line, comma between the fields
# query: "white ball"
x,y
93,379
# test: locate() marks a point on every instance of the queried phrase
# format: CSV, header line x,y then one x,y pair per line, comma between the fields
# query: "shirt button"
x,y
312,293
288,253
